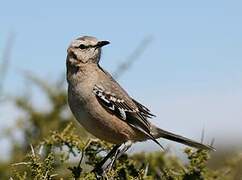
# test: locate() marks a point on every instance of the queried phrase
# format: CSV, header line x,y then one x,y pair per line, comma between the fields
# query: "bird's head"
x,y
85,49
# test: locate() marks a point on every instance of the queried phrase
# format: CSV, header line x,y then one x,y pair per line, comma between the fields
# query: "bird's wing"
x,y
116,101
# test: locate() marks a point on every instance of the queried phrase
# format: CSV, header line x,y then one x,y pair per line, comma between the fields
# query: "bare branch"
x,y
202,135
6,57
126,65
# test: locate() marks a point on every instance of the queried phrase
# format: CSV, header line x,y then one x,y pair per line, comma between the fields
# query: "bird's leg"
x,y
113,155
120,151
103,165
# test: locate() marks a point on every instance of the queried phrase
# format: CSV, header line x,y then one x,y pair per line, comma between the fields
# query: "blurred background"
x,y
182,59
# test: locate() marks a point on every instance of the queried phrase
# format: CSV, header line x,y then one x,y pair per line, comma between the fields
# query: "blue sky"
x,y
190,75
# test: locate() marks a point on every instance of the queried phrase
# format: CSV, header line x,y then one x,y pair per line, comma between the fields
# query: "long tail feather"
x,y
180,139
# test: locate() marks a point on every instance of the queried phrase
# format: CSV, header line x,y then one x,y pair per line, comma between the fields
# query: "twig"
x,y
132,58
6,59
212,142
20,163
32,149
202,135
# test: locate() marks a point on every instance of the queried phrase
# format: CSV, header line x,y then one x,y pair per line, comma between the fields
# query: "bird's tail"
x,y
180,139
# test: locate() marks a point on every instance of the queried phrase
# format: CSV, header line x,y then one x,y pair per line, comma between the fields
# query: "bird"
x,y
103,107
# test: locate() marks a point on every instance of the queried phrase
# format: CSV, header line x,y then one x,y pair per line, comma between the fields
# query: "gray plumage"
x,y
102,106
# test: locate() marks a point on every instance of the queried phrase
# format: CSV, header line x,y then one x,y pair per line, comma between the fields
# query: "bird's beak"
x,y
102,43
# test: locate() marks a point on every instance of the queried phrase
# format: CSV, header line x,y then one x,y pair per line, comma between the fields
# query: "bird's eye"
x,y
82,46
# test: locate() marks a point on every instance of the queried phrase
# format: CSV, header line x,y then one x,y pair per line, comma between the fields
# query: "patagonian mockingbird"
x,y
103,107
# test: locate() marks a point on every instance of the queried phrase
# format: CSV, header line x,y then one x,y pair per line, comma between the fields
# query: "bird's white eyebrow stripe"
x,y
76,43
